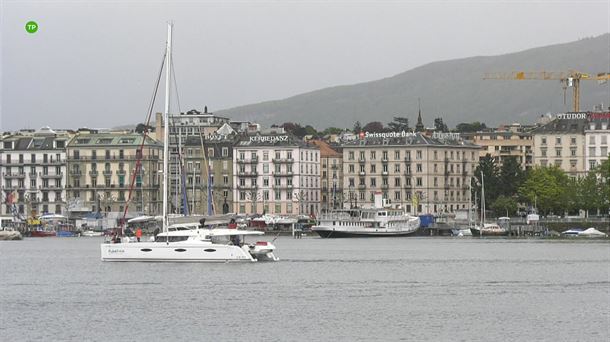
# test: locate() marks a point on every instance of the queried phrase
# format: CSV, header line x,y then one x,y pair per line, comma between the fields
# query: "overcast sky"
x,y
94,63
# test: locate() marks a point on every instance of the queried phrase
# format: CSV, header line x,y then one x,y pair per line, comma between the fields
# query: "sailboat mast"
x,y
168,71
470,203
482,205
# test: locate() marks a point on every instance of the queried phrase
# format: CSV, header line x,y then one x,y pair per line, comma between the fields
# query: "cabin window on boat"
x,y
170,238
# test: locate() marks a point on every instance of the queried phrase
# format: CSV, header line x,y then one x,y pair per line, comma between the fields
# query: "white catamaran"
x,y
187,243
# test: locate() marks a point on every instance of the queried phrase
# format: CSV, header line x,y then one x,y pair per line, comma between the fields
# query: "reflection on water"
x,y
336,289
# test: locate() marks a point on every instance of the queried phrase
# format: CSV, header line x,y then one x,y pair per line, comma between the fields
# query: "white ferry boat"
x,y
362,222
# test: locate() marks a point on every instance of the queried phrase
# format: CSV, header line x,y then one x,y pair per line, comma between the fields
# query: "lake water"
x,y
376,289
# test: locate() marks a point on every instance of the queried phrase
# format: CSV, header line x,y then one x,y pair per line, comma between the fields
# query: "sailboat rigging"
x,y
187,242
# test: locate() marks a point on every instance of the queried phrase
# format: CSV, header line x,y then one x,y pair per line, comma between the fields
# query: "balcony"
x,y
362,173
247,173
283,186
121,172
93,173
48,175
117,158
14,175
247,187
33,174
107,173
283,160
53,162
363,186
283,174
384,173
385,186
362,160
408,159
248,161
76,173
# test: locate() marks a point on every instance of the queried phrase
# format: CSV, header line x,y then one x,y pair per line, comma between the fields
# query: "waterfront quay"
x,y
240,167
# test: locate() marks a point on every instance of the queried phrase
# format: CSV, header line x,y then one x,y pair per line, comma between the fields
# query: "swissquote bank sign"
x,y
403,134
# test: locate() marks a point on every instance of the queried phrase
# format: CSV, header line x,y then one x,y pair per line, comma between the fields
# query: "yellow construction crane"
x,y
568,79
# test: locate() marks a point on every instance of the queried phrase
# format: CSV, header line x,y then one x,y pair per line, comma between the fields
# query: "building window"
x,y
418,154
419,181
592,164
419,167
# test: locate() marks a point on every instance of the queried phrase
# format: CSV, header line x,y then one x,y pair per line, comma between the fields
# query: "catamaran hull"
x,y
173,252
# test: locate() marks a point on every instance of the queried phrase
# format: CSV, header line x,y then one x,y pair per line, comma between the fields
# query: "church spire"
x,y
420,125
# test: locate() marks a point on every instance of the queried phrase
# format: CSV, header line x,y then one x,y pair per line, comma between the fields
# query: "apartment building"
x,y
597,139
101,167
512,141
561,142
217,150
276,173
331,175
418,173
33,169
182,127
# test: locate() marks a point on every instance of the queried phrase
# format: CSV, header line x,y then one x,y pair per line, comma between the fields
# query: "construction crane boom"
x,y
570,78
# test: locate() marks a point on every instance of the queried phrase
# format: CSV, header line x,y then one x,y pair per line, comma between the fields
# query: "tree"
x,y
295,128
439,126
357,127
141,127
491,177
504,206
331,130
399,124
545,187
373,127
511,176
309,130
469,127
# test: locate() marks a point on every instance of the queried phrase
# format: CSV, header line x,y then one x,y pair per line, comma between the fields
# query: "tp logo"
x,y
31,27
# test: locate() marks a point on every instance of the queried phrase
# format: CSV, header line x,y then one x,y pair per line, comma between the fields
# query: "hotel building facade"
x,y
275,173
503,143
33,169
217,150
597,139
561,143
418,173
101,167
331,175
